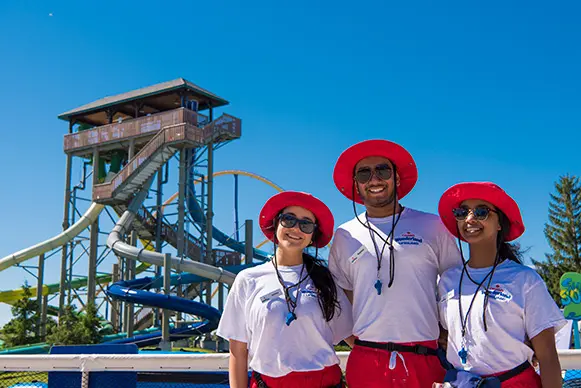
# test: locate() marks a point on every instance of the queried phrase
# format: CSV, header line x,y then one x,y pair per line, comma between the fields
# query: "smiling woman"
x,y
493,305
283,317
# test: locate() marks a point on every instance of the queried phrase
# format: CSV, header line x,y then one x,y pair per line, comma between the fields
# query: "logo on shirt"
x,y
309,293
408,238
498,292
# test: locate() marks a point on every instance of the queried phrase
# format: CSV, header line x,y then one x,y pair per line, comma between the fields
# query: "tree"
x,y
22,329
91,324
75,328
563,233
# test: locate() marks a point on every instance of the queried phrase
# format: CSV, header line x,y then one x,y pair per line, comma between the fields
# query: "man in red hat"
x,y
388,260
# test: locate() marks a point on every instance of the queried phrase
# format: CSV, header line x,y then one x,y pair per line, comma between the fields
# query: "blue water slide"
x,y
189,278
136,291
198,216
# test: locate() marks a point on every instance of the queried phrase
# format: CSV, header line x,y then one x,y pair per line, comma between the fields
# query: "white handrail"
x,y
570,359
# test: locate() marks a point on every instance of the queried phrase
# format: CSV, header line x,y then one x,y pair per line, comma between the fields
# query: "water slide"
x,y
44,348
121,248
55,242
198,216
116,243
10,296
137,291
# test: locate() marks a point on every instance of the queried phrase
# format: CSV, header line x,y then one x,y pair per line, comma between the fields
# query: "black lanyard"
x,y
388,241
290,303
463,353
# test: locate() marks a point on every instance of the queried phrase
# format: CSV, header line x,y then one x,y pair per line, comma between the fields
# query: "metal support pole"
x,y
94,240
130,275
96,171
43,316
131,150
40,282
220,297
236,225
248,246
124,267
165,344
181,217
158,225
92,273
115,303
63,280
202,241
210,211
71,258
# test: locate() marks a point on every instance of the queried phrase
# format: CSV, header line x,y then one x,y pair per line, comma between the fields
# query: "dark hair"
x,y
505,249
322,279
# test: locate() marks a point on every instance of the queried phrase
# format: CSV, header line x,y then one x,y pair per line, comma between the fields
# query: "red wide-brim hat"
x,y
325,221
345,166
486,191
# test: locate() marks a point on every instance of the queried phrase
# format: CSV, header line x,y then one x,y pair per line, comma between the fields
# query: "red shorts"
x,y
325,378
526,379
370,368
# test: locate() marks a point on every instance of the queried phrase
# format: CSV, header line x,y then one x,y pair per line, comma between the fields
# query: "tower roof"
x,y
151,99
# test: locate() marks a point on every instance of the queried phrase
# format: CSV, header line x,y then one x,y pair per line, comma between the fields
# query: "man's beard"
x,y
380,202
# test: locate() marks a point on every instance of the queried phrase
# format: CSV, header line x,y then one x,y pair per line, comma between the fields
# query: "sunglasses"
x,y
365,174
480,212
289,221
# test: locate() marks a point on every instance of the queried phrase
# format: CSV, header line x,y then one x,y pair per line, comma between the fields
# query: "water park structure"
x,y
146,255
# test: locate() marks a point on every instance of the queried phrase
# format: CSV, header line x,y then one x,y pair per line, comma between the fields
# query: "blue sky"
x,y
475,91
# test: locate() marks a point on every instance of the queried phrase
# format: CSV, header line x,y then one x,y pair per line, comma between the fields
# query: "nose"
x,y
470,217
375,178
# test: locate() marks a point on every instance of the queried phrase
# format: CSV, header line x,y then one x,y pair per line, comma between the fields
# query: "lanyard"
x,y
388,241
463,353
290,303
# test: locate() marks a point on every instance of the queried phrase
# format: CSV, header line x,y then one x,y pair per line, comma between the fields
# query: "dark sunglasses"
x,y
289,221
365,174
480,212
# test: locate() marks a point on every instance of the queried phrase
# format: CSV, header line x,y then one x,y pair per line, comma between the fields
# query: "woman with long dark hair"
x,y
493,306
283,317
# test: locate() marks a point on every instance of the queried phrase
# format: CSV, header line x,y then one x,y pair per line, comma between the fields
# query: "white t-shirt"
x,y
255,313
407,311
519,308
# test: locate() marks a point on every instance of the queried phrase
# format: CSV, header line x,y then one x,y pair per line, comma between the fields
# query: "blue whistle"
x,y
290,317
463,355
378,286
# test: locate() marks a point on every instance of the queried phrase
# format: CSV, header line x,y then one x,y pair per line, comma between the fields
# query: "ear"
x,y
397,179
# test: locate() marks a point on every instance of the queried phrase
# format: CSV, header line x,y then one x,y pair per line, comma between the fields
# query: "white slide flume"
x,y
55,242
116,243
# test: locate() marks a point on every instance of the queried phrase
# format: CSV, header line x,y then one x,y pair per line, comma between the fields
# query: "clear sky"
x,y
474,90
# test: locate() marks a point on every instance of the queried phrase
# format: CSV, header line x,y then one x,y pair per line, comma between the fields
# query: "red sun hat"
x,y
485,191
404,163
325,221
